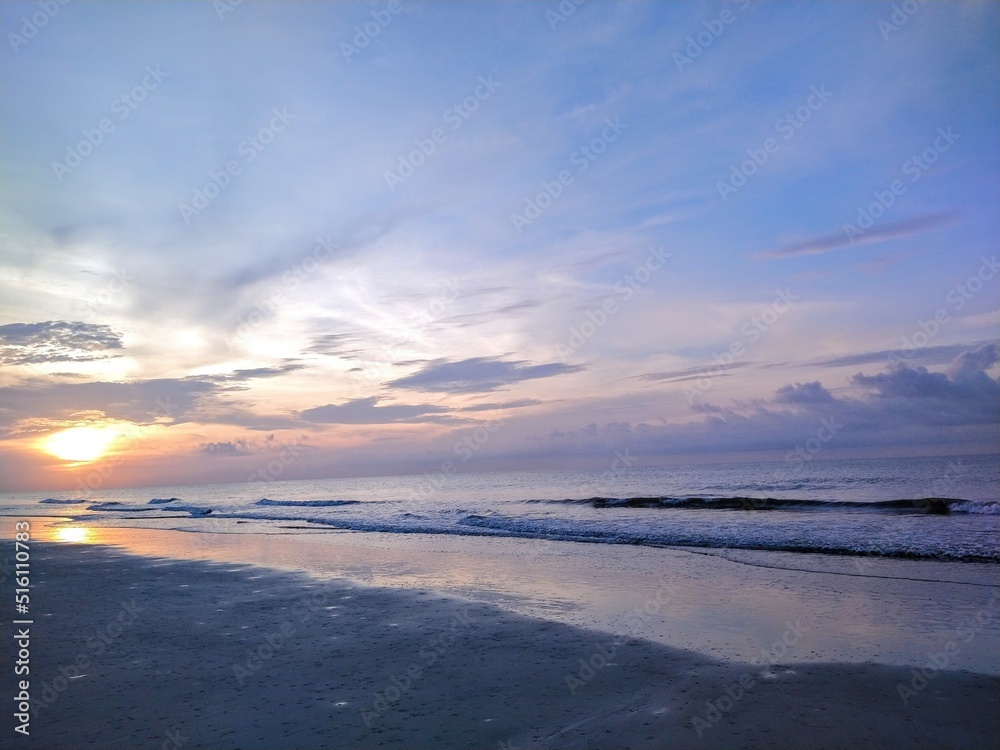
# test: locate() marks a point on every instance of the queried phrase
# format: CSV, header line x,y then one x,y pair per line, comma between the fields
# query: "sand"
x,y
732,605
130,652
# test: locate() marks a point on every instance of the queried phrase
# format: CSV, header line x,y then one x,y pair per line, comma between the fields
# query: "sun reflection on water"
x,y
75,534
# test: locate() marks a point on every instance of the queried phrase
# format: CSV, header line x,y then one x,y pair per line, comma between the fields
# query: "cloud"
x,y
967,364
892,230
932,355
238,447
335,345
478,374
57,341
691,373
140,402
971,388
366,411
898,407
218,292
803,393
255,373
466,320
226,448
518,404
214,413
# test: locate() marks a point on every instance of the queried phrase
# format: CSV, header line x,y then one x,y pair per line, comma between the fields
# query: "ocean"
x,y
943,508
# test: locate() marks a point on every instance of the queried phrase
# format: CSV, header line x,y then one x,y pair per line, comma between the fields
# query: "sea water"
x,y
944,508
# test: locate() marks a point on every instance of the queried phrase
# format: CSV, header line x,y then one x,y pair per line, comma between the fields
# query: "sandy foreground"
x,y
135,651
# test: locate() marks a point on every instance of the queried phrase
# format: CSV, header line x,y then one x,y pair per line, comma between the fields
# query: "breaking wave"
x,y
306,503
933,505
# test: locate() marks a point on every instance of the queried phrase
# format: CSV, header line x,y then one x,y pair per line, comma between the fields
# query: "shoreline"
x,y
242,656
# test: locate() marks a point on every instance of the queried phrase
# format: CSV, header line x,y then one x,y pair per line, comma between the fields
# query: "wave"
x,y
980,507
117,507
57,501
933,505
568,530
120,507
164,500
721,539
306,503
835,533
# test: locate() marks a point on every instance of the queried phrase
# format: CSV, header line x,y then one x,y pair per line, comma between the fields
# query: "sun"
x,y
80,444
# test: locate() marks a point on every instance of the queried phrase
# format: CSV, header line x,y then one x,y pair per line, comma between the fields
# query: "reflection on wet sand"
x,y
733,606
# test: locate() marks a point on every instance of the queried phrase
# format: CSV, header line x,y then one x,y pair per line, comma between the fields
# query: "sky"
x,y
311,239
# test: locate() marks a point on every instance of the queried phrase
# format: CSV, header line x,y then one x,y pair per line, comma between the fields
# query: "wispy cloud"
x,y
690,373
256,373
367,411
478,374
517,404
335,345
893,230
928,355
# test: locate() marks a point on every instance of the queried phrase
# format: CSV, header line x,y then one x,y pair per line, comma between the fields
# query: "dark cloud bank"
x,y
903,406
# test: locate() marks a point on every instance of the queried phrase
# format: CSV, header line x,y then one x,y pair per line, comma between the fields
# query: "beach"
x,y
499,375
211,648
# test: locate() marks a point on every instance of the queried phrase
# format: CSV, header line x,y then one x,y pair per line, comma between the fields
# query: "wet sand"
x,y
130,651
731,605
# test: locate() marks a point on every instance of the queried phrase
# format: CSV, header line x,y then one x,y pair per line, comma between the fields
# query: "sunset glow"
x,y
500,374
74,534
575,238
80,444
